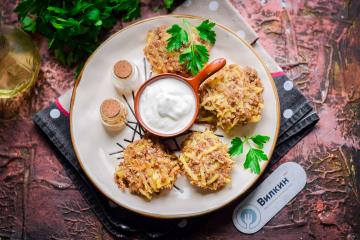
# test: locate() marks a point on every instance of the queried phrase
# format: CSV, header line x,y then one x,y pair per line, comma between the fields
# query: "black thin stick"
x,y
129,105
139,132
179,189
134,133
176,143
134,129
145,70
120,145
116,152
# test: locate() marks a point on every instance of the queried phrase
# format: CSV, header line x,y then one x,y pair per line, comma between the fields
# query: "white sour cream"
x,y
167,105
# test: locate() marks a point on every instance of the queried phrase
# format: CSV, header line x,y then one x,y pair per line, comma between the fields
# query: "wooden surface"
x,y
316,42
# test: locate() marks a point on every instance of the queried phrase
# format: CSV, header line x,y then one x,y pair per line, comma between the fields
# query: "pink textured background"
x,y
317,43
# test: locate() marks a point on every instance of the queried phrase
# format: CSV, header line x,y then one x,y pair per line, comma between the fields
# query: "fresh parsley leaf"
x,y
253,158
194,57
237,146
132,11
94,14
206,31
57,10
29,24
56,24
260,140
179,37
255,154
168,4
98,23
80,7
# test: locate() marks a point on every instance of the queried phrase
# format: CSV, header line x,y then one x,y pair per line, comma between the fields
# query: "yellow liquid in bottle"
x,y
19,62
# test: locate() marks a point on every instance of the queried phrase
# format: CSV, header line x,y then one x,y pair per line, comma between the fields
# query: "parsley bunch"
x,y
195,55
74,28
254,155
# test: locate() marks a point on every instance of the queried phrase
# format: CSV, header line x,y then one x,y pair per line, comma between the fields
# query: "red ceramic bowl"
x,y
193,82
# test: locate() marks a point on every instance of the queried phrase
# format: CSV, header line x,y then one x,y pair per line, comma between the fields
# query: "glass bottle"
x,y
19,62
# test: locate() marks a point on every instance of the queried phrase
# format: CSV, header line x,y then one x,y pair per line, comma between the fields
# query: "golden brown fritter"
x,y
147,168
205,160
160,59
233,96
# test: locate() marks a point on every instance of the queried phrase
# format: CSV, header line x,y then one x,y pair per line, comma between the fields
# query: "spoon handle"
x,y
206,72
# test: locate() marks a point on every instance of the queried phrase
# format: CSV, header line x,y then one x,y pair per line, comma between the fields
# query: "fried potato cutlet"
x,y
233,96
205,161
147,168
161,60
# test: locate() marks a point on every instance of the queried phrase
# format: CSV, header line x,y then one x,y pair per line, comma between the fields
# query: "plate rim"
x,y
161,216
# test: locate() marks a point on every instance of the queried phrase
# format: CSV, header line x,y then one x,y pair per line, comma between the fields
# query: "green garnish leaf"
x,y
253,158
94,14
80,7
57,10
255,154
179,37
194,57
237,146
168,4
206,31
29,24
260,140
98,23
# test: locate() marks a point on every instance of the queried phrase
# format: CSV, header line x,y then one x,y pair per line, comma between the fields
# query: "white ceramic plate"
x,y
98,151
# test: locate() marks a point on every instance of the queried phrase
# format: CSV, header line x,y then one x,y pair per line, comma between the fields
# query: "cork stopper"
x,y
110,108
122,69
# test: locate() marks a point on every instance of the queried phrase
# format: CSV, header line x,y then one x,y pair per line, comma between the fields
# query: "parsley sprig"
x,y
75,28
255,154
195,55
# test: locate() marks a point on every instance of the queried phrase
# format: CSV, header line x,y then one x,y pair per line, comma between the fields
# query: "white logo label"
x,y
269,197
248,217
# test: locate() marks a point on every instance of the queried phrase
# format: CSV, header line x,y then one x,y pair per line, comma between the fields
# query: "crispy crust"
x,y
160,59
147,168
233,96
205,161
